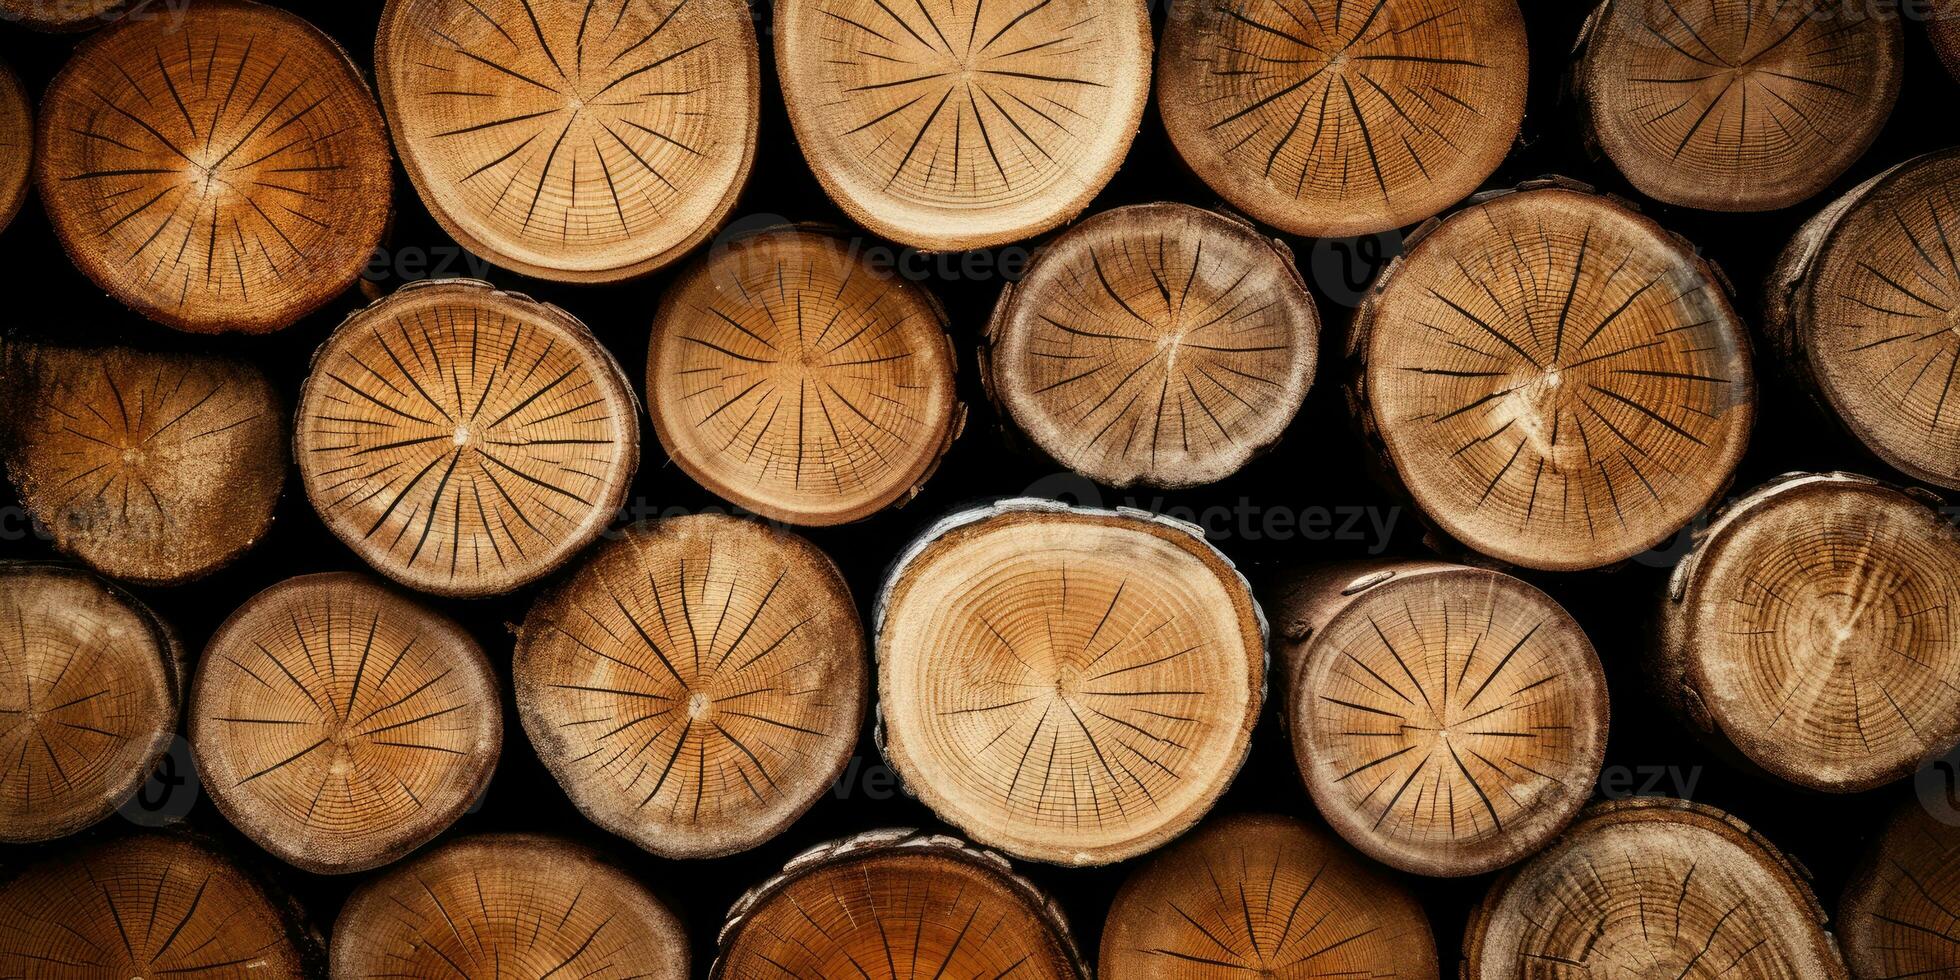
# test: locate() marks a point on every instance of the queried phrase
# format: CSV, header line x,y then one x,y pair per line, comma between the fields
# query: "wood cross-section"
x,y
1897,917
16,144
63,15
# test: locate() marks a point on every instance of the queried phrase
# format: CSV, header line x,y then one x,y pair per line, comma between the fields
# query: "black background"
x,y
1317,466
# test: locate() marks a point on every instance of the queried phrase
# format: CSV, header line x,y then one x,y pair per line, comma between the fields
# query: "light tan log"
x,y
152,468
1653,888
16,144
1813,631
1446,720
1749,106
1069,685
567,140
965,125
341,725
696,684
897,903
507,905
1896,918
1155,343
1558,382
1266,896
790,375
219,168
1864,303
1343,117
464,440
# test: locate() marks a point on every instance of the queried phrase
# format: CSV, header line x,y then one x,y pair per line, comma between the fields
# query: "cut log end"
x,y
466,441
845,903
1812,630
1665,86
88,699
196,205
152,468
792,378
1347,118
968,125
1943,26
1896,917
62,16
1075,687
16,144
570,146
340,725
1557,381
1265,896
696,685
1155,344
1653,888
508,905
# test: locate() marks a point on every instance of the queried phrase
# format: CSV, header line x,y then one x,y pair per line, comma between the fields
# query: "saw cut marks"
x,y
1653,888
1558,382
1896,918
1264,896
341,726
893,905
463,440
1071,686
1155,344
150,905
16,144
512,905
1348,117
1737,105
796,380
219,168
697,684
958,124
90,684
576,141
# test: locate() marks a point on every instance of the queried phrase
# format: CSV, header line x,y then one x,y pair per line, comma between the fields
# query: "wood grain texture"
x,y
1265,896
1070,686
790,376
1943,27
1737,105
955,124
1343,117
63,15
1897,916
1156,344
16,144
220,170
575,140
465,440
1556,380
340,725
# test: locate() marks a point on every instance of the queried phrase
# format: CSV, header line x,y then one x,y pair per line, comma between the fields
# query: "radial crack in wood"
x,y
1070,686
222,168
508,905
1750,105
340,725
1155,344
575,141
792,377
463,440
1347,117
62,16
1897,916
1557,381
893,905
16,144
949,124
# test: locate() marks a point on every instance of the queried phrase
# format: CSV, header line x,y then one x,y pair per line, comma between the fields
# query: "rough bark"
x,y
16,144
1896,917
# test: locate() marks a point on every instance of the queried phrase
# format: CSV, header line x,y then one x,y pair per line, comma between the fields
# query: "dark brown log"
x,y
62,16
16,144
1943,26
1897,916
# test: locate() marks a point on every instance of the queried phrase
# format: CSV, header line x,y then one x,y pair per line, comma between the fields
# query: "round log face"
x,y
1158,344
466,441
223,168
341,726
1943,26
696,685
570,141
508,905
1450,723
1749,106
1069,687
62,15
1264,896
963,125
16,144
794,379
1347,117
1896,916
143,906
88,699
1558,382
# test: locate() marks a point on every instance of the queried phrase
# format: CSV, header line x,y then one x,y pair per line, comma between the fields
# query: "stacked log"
x,y
16,145
1896,918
